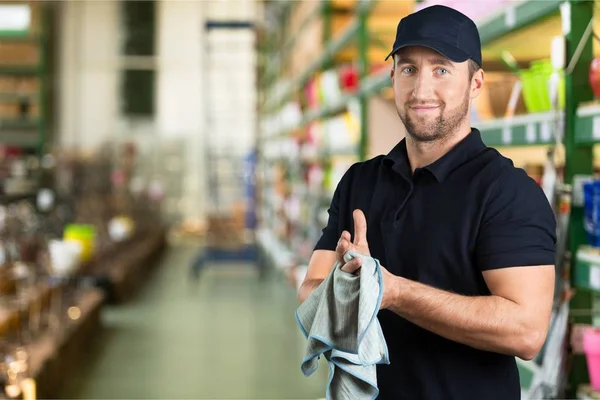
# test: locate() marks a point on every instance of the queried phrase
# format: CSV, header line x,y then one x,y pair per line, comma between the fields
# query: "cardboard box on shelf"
x,y
7,111
307,49
20,85
19,53
309,43
302,10
495,96
339,23
14,110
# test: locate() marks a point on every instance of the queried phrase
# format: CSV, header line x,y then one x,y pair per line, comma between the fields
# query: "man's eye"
x,y
442,71
408,70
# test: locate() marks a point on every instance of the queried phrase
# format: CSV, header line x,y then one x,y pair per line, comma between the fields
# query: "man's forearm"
x,y
307,287
489,323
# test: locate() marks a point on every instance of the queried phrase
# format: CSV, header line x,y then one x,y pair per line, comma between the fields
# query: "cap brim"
x,y
450,52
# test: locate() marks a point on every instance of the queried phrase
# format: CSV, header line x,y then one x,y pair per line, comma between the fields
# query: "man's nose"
x,y
423,86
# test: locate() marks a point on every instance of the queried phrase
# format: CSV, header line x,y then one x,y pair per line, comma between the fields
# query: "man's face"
x,y
433,94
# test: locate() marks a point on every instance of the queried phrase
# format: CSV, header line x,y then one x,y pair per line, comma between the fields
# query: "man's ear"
x,y
477,83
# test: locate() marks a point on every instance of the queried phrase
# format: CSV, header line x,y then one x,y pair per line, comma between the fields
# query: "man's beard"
x,y
423,129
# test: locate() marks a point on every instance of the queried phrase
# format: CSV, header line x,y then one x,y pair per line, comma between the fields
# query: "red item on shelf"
x,y
349,78
9,151
595,77
312,94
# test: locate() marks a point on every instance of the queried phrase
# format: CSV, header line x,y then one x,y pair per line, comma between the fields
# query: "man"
x,y
467,239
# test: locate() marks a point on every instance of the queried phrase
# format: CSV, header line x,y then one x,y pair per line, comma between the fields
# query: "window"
x,y
137,92
138,77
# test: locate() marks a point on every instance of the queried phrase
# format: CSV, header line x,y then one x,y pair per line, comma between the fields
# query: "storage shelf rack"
x,y
28,133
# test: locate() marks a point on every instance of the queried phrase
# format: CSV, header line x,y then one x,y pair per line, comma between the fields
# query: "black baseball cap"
x,y
443,29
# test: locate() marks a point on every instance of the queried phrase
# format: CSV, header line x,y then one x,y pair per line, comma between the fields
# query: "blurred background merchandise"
x,y
166,167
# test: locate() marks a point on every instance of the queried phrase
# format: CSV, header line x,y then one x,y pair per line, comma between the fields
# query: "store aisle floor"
x,y
229,335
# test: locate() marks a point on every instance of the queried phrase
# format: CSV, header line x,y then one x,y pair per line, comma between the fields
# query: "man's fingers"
x,y
343,246
344,243
341,251
360,228
352,266
346,236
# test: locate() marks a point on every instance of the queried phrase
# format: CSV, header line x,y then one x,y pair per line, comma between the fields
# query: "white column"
x,y
88,72
180,85
68,75
180,57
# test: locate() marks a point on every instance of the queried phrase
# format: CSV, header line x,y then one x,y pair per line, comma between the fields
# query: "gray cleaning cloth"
x,y
339,321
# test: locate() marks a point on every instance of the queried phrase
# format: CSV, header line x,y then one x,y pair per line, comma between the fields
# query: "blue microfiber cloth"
x,y
339,320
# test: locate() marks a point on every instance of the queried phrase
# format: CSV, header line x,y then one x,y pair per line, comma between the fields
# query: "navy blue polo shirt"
x,y
470,211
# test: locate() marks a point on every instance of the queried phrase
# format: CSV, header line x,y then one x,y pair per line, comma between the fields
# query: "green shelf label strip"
x,y
20,139
587,125
14,97
522,130
587,270
19,70
528,371
516,16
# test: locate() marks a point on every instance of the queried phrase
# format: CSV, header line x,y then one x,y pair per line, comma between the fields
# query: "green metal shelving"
x,y
19,139
371,85
280,59
332,47
521,130
28,133
34,124
20,70
587,125
11,97
579,161
515,17
587,270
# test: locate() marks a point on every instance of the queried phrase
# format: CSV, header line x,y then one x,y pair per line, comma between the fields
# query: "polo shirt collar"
x,y
464,151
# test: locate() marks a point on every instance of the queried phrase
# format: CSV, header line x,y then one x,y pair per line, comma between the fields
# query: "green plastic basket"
x,y
536,91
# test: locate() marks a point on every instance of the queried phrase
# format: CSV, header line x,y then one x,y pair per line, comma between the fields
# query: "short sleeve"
x,y
332,232
518,227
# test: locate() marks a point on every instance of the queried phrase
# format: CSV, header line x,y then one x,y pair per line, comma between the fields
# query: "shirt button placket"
x,y
403,204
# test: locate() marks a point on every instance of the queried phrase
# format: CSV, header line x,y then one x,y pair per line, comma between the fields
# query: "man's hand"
x,y
322,261
359,245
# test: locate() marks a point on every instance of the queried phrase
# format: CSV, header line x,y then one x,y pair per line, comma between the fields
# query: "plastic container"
x,y
591,347
65,256
85,235
536,86
589,212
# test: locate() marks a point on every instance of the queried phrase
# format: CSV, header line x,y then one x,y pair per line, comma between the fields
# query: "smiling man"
x,y
466,238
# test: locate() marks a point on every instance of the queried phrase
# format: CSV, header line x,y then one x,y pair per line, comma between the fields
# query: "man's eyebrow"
x,y
405,61
440,61
432,61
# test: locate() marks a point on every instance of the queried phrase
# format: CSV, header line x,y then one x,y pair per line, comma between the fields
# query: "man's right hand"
x,y
359,245
322,261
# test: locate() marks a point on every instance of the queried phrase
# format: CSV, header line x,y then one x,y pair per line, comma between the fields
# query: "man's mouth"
x,y
424,108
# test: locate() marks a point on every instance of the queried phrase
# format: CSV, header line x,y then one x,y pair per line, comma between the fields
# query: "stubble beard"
x,y
443,126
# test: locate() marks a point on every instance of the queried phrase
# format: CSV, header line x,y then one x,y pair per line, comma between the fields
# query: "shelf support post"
x,y
579,158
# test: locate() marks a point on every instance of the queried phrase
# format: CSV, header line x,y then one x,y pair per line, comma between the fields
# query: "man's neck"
x,y
421,154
